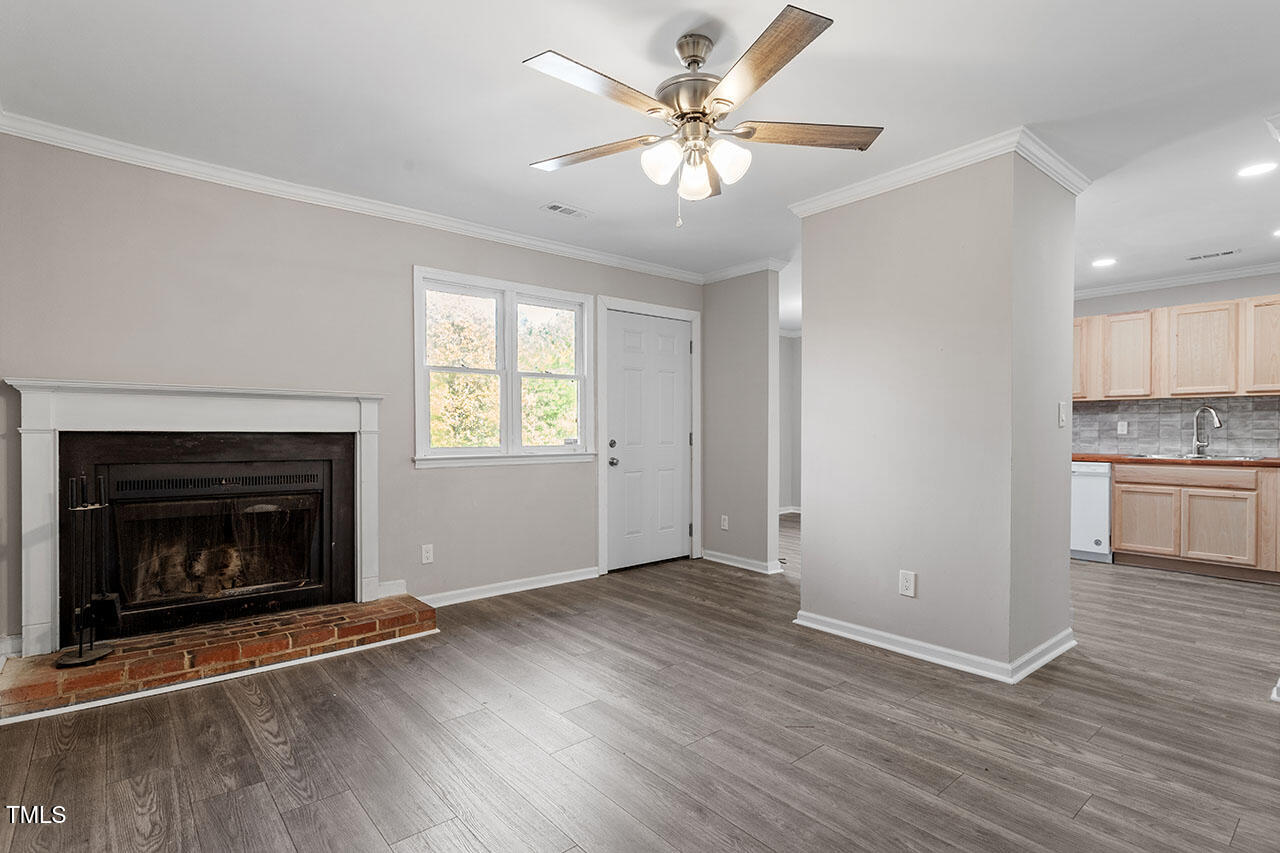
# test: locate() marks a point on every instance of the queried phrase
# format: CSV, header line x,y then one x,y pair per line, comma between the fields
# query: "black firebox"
x,y
210,526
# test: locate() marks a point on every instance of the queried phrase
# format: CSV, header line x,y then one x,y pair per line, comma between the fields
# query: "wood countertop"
x,y
1117,458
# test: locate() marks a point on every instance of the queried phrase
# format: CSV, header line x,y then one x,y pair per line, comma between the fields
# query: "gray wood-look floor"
x,y
676,707
789,542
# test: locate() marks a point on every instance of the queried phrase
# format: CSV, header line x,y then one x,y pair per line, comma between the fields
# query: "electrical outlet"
x,y
724,522
428,554
907,584
1122,428
1064,410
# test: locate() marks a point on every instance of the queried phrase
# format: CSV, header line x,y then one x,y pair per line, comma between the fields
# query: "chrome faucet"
x,y
1200,446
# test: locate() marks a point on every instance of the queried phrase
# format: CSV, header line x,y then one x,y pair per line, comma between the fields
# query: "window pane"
x,y
462,330
547,339
548,411
465,409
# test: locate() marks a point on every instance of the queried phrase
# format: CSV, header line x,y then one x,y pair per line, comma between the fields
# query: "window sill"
x,y
509,459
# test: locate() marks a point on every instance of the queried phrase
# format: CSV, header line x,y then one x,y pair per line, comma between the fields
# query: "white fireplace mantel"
x,y
51,406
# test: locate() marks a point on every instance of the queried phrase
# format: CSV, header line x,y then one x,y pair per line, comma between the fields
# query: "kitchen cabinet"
x,y
1220,526
1080,359
1126,354
1213,349
1147,519
1203,348
1261,344
1199,513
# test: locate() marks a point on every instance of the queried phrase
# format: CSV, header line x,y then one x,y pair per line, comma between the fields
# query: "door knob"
x,y
613,461
613,442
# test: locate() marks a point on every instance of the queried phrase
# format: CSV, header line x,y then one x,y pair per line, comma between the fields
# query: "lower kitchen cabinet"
x,y
1194,514
1147,519
1220,526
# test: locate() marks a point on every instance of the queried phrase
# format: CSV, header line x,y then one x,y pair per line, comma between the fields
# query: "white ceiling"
x,y
427,105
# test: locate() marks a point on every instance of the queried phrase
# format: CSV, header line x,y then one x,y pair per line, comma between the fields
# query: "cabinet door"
x,y
1147,519
1080,364
1203,348
1262,344
1220,526
1126,354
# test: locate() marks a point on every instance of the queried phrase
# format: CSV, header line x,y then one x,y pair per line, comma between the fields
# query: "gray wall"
x,y
114,272
1235,288
1250,426
944,356
739,386
789,378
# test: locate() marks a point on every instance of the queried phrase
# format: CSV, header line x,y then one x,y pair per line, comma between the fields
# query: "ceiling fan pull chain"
x,y
679,219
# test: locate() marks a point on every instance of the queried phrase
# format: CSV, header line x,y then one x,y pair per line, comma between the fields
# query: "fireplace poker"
x,y
88,559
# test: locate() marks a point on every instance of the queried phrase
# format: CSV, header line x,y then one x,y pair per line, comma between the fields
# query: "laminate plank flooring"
x,y
676,706
789,542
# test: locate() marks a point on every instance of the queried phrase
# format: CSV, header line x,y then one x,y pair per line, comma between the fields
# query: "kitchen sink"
x,y
1195,456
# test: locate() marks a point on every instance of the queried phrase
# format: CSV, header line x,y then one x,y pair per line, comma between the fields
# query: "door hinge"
x,y
690,347
691,439
691,528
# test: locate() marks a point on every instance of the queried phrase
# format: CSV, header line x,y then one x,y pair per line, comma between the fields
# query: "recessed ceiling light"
x,y
1256,169
1104,262
1276,233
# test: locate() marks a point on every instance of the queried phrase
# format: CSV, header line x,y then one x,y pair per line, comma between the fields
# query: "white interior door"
x,y
649,445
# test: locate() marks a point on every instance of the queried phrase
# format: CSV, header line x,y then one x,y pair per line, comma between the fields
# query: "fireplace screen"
x,y
175,549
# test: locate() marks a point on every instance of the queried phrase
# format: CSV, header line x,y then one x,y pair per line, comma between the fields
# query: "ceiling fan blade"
x,y
593,153
563,68
816,135
789,34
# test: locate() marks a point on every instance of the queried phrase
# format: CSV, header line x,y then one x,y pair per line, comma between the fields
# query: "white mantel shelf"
x,y
50,406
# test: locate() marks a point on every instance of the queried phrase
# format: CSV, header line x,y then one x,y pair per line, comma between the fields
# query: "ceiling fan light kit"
x,y
694,103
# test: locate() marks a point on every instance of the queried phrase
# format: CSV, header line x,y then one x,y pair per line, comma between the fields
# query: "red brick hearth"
x,y
156,660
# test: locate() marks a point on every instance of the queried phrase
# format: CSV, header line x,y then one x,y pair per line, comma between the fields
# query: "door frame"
x,y
605,304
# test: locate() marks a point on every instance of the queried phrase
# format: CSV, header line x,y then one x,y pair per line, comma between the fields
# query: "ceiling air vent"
x,y
1211,255
565,210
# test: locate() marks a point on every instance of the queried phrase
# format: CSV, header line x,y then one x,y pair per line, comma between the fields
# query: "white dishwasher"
x,y
1091,511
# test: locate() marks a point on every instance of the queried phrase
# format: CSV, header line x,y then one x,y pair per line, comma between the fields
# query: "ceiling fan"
x,y
694,103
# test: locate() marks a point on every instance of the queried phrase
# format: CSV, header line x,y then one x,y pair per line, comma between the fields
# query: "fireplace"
x,y
210,526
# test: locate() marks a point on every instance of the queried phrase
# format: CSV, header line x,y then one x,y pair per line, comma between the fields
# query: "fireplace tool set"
x,y
94,607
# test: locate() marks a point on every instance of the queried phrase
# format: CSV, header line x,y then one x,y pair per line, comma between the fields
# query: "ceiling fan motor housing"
x,y
684,93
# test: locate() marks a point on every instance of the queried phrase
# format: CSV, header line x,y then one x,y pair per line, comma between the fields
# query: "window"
x,y
501,371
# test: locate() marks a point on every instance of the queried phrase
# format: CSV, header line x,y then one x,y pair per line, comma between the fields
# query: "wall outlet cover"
x,y
907,584
428,554
724,522
1122,428
1064,412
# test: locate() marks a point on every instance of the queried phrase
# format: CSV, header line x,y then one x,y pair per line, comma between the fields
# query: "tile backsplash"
x,y
1250,426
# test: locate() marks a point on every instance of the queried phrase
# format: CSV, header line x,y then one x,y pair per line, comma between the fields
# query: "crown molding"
x,y
749,267
124,152
1177,281
1019,139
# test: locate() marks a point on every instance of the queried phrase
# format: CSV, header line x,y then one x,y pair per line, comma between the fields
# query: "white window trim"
x,y
509,294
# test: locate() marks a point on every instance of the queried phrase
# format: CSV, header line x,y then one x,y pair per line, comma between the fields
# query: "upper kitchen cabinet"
x,y
1261,344
1203,348
1080,363
1126,354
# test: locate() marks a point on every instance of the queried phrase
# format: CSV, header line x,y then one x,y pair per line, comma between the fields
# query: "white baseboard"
x,y
199,682
773,567
471,593
1009,673
783,510
10,647
389,588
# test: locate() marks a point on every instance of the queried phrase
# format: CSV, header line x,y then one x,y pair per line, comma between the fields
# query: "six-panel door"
x,y
649,410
